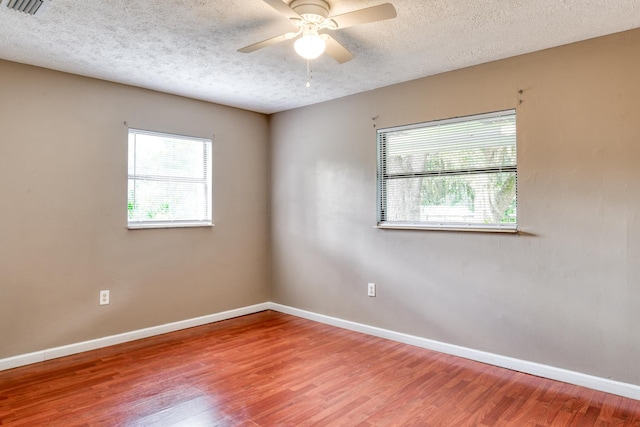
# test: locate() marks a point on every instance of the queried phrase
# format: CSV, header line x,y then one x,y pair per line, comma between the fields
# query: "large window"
x,y
450,174
169,180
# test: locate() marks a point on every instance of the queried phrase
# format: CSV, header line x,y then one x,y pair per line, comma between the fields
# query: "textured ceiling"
x,y
189,47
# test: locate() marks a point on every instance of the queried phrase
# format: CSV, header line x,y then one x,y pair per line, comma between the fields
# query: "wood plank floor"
x,y
271,369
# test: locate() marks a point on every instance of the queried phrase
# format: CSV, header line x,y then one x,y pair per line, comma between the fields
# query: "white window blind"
x,y
453,174
169,180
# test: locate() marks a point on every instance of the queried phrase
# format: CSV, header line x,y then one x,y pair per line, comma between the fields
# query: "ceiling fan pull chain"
x,y
309,75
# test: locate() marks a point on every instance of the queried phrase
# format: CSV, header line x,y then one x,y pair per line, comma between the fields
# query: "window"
x,y
169,180
450,174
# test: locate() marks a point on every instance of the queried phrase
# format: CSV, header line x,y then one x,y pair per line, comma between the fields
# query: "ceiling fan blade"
x,y
364,16
283,8
336,50
267,42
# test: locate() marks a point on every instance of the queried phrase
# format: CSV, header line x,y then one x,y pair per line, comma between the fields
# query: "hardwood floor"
x,y
271,369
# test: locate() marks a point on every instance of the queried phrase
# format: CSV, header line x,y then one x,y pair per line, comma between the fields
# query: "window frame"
x,y
382,178
206,180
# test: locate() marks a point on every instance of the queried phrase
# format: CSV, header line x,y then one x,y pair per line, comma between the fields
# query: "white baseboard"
x,y
602,384
52,353
615,387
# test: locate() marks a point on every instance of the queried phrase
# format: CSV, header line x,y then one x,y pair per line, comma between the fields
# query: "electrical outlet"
x,y
104,297
371,289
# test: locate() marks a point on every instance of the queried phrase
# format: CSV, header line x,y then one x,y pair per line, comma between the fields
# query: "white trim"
x,y
141,225
597,383
168,134
444,227
457,119
66,350
577,378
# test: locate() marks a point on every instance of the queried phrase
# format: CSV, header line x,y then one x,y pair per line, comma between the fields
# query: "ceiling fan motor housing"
x,y
311,10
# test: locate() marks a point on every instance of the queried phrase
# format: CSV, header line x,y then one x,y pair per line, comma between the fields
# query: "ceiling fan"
x,y
312,16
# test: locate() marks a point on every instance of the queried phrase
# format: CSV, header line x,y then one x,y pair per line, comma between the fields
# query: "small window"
x,y
169,180
450,174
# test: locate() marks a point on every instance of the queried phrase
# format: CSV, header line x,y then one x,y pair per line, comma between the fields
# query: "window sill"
x,y
434,227
168,225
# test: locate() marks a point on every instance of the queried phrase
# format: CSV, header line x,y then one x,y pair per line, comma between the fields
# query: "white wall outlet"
x,y
371,289
104,297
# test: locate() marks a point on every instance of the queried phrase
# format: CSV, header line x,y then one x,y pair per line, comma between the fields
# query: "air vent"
x,y
27,6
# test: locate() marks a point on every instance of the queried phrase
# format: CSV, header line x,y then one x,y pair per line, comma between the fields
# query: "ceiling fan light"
x,y
310,46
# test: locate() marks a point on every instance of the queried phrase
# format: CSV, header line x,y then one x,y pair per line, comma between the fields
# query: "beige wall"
x,y
564,292
63,235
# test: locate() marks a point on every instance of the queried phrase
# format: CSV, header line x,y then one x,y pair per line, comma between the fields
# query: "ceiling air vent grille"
x,y
27,6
